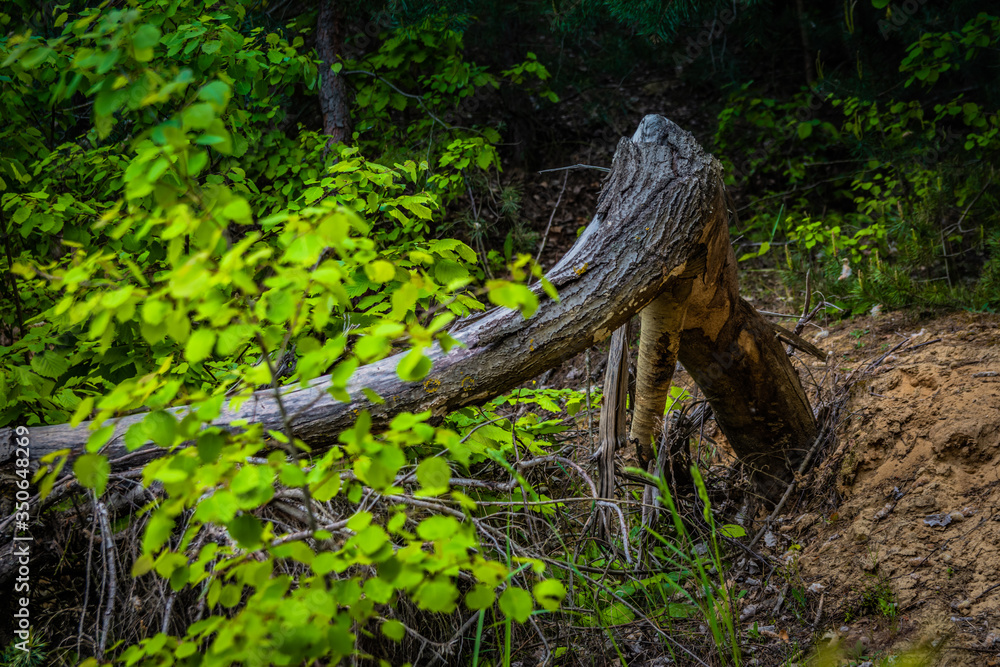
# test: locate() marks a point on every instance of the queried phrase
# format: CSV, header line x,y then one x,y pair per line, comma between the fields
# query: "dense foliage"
x,y
178,231
176,239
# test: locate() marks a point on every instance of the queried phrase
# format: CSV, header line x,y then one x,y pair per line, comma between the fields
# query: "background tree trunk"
x,y
333,91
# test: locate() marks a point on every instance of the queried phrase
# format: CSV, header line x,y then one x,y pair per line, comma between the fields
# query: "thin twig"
x,y
545,236
568,462
545,643
791,487
590,421
819,610
109,565
961,218
924,344
575,166
418,98
790,192
289,432
895,347
86,583
988,590
621,523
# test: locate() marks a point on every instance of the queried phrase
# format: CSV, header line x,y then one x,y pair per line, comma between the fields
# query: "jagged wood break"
x,y
658,245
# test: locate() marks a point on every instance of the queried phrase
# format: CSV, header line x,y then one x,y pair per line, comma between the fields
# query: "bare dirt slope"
x,y
910,502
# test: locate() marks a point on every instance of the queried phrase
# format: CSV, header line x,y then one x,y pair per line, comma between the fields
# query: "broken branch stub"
x,y
659,233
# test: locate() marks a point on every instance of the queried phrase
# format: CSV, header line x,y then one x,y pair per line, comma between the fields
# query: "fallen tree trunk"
x,y
659,236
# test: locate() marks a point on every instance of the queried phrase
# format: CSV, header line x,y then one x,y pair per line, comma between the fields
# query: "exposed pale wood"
x,y
659,342
613,428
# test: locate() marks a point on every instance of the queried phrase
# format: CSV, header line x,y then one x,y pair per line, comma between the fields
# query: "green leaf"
x,y
394,630
680,610
199,345
146,36
92,471
372,396
371,539
142,565
433,474
513,296
49,364
179,577
359,521
238,209
804,130
371,347
220,507
158,530
246,530
480,597
292,476
135,436
216,93
414,366
437,527
312,194
22,214
417,209
327,487
161,428
248,479
210,446
732,530
437,596
451,274
230,596
549,593
100,437
380,271
198,116
617,614
516,604
484,159
279,305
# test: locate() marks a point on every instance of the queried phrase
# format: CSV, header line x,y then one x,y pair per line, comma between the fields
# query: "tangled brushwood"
x,y
686,588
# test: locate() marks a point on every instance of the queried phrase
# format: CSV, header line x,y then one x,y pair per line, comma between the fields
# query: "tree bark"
x,y
737,360
807,59
332,90
659,237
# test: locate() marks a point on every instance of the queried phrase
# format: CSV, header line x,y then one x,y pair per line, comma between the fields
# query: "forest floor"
x,y
905,542
890,553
